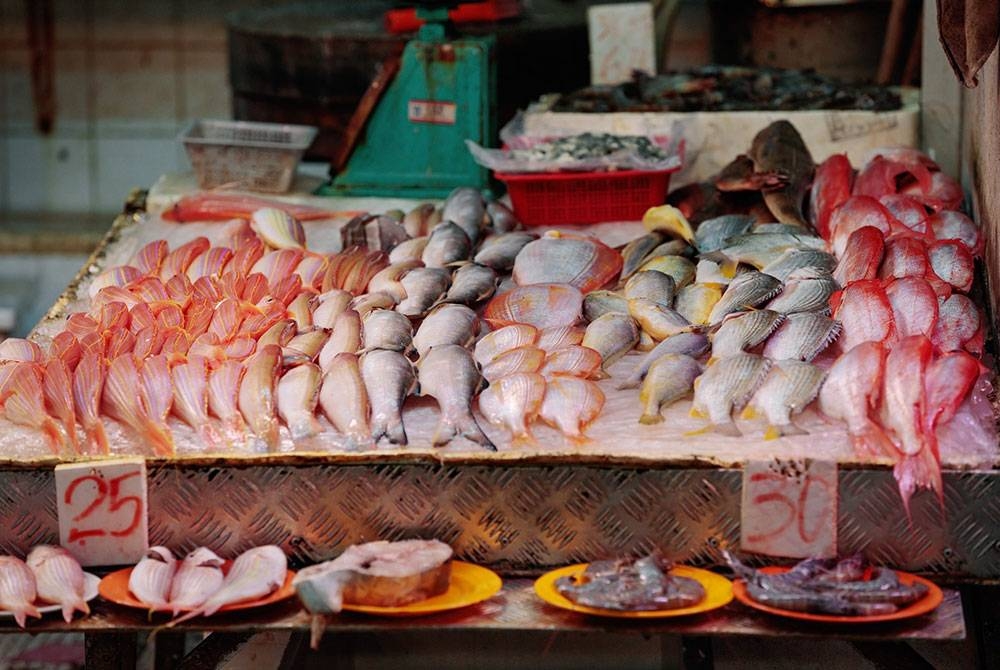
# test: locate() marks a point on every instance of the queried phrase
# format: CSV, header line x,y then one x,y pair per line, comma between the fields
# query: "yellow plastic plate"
x,y
718,593
470,584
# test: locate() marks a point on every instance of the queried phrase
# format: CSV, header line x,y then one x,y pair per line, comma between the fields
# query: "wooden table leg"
x,y
110,651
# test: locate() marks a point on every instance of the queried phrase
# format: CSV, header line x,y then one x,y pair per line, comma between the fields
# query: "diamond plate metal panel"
x,y
519,518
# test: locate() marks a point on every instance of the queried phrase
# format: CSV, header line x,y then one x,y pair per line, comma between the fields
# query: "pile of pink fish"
x,y
49,575
911,336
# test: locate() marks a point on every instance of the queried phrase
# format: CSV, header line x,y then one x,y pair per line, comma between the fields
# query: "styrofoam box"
x,y
713,139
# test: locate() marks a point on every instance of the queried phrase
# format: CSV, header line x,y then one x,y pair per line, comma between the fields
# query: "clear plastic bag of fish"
x,y
586,152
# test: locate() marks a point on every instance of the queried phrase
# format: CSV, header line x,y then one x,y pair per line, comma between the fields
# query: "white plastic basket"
x,y
248,155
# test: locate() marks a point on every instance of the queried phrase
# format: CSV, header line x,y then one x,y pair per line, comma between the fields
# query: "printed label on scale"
x,y
103,510
432,111
789,508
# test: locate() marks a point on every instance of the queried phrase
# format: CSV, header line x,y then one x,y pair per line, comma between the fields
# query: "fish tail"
x,y
871,442
54,435
317,626
577,440
97,436
22,612
728,429
446,430
470,430
915,472
304,427
650,418
523,438
629,382
159,436
72,606
396,431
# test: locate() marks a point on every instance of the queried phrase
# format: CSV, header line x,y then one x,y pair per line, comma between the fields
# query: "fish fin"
x,y
97,435
698,431
695,413
915,472
317,626
772,433
871,442
21,614
397,433
444,433
471,431
649,419
750,414
524,440
728,267
600,374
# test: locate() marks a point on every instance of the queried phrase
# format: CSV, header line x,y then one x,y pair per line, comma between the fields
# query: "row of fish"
x,y
49,575
199,585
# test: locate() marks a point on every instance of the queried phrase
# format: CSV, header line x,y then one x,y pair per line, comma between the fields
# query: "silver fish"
x,y
472,283
387,280
254,574
711,234
449,375
797,259
652,285
447,324
659,321
745,292
695,302
669,378
689,344
344,338
612,336
389,378
59,579
345,401
386,329
514,402
330,305
502,219
679,268
740,332
409,251
465,207
672,248
638,250
297,396
802,337
499,251
727,386
424,287
598,303
198,577
448,244
369,302
787,389
150,579
504,339
761,249
773,227
806,290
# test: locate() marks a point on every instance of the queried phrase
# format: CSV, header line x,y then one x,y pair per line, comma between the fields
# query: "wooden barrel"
x,y
310,63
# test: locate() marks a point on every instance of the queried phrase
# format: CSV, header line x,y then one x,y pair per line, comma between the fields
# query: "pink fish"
x,y
120,276
884,176
223,391
18,349
123,402
211,262
18,589
190,384
950,225
831,187
908,211
178,260
150,579
514,402
914,306
219,206
256,398
66,348
857,212
851,393
902,415
147,289
198,577
245,258
278,264
110,294
25,406
570,405
57,387
953,263
862,257
79,324
865,313
149,259
957,324
59,579
312,269
904,257
180,290
943,192
207,288
155,389
88,388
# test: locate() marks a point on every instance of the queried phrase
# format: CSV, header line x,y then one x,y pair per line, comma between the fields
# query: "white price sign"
x,y
789,508
103,510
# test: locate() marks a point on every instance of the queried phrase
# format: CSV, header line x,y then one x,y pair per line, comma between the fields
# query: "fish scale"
x,y
802,337
787,389
745,292
804,293
726,386
741,332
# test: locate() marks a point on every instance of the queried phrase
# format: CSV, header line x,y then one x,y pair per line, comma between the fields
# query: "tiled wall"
x,y
129,74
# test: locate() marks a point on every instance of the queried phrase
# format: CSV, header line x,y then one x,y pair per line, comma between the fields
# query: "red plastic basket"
x,y
556,198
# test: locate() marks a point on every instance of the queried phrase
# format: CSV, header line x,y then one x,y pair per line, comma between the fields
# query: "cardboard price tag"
x,y
103,510
789,508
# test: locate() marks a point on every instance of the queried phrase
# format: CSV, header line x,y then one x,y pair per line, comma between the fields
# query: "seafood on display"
x,y
49,575
847,587
628,585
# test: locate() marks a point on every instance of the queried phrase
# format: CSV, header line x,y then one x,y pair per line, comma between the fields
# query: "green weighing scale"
x,y
407,136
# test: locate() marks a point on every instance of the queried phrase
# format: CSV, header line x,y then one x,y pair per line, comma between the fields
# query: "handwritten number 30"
x,y
107,490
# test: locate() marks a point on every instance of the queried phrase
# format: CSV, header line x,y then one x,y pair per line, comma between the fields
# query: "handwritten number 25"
x,y
110,491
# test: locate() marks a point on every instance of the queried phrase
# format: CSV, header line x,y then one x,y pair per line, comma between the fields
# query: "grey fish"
x,y
652,285
802,337
797,259
779,149
807,290
771,227
690,344
502,219
711,234
389,378
449,375
465,208
598,303
670,378
744,292
645,584
447,324
672,248
424,287
472,283
499,251
410,250
636,251
787,389
415,222
386,329
681,269
727,386
695,302
612,336
659,321
743,331
448,244
762,249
